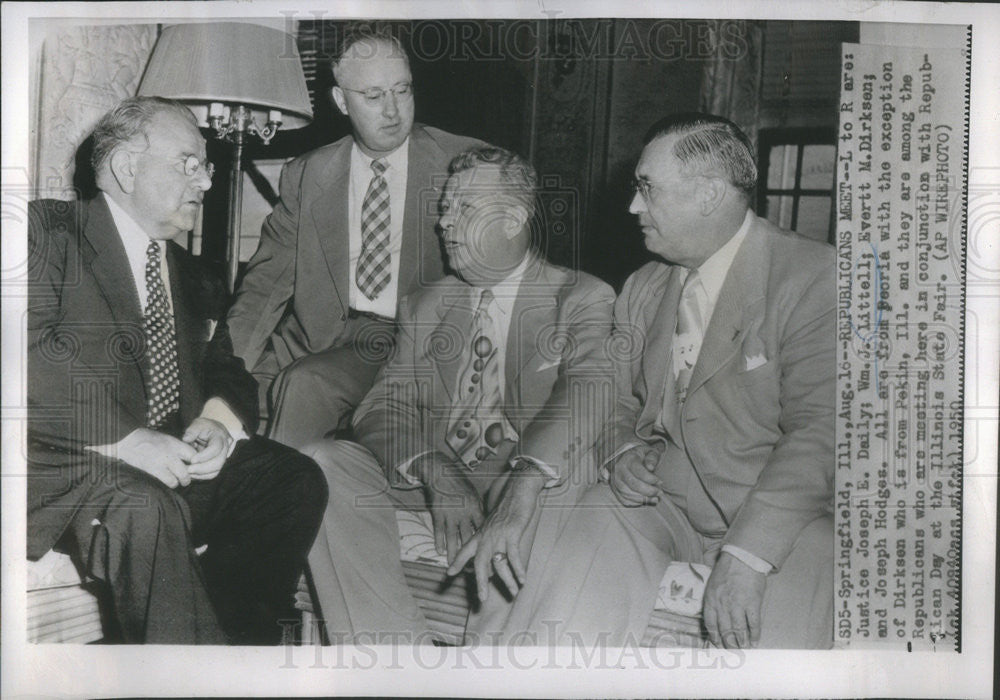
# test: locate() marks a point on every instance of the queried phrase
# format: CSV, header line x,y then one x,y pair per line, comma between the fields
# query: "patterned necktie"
x,y
477,424
688,335
373,271
161,345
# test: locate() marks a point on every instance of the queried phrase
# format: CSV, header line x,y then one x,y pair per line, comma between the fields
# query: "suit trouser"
x,y
258,518
355,561
600,583
316,394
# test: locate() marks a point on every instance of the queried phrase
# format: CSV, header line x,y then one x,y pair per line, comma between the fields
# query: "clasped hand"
x,y
198,455
633,477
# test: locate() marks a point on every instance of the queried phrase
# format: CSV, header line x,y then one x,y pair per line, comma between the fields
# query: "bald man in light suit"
x,y
721,451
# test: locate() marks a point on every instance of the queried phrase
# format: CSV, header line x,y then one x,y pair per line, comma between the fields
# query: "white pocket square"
x,y
548,364
755,361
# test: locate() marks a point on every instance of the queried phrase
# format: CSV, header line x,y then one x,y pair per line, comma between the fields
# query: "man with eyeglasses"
x,y
142,458
721,451
353,233
484,417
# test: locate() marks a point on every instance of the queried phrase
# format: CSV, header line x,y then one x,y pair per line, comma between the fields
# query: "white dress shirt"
x,y
136,241
395,177
501,308
714,270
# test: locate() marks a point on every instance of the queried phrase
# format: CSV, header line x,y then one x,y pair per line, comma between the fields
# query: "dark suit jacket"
x,y
295,292
86,365
758,421
556,370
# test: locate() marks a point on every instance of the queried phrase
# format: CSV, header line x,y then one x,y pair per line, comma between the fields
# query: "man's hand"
x,y
456,508
731,608
633,477
157,454
501,535
211,439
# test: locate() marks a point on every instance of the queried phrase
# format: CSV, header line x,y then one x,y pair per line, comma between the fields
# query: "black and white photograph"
x,y
513,349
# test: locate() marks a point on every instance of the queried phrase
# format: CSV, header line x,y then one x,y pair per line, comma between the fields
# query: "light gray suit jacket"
x,y
758,420
295,291
555,359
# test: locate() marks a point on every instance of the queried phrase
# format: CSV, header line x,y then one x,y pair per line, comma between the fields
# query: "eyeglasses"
x,y
375,95
641,186
190,165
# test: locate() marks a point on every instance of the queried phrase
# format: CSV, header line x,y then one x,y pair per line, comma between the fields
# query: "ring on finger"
x,y
499,557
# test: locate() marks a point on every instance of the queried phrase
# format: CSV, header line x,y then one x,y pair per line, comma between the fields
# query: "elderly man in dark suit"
x,y
721,450
352,234
138,456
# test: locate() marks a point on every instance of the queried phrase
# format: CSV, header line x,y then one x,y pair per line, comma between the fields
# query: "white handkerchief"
x,y
547,364
682,588
755,361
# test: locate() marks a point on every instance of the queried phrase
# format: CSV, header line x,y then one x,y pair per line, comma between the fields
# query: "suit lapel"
x,y
186,331
456,312
659,346
535,311
422,194
330,211
105,255
742,289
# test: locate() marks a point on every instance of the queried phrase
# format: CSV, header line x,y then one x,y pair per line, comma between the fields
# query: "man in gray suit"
x,y
721,450
484,416
314,316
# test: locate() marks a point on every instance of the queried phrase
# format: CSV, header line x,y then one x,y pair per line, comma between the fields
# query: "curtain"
x,y
731,78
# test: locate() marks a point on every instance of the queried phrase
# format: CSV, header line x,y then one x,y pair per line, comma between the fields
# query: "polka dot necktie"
x,y
477,424
373,272
161,345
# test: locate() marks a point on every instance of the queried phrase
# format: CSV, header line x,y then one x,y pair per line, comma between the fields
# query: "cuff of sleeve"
x,y
540,466
751,560
218,410
404,468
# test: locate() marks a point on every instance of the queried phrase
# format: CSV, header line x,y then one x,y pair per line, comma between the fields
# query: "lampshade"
x,y
230,62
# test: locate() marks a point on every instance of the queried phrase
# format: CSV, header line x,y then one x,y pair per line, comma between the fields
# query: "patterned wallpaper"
x,y
84,72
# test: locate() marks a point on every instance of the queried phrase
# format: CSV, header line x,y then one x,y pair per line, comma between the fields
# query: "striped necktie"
x,y
161,345
374,272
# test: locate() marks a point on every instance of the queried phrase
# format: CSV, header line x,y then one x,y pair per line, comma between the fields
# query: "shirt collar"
x,y
714,270
395,160
505,291
132,235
